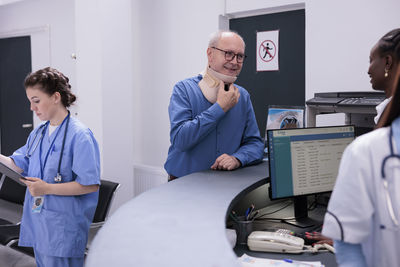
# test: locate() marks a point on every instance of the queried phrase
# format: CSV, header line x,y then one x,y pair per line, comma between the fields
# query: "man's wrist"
x,y
238,161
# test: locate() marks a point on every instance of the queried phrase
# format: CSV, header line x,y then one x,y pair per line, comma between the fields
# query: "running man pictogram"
x,y
267,48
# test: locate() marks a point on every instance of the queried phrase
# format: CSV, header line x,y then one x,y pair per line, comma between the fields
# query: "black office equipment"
x,y
10,173
358,107
226,86
304,162
351,99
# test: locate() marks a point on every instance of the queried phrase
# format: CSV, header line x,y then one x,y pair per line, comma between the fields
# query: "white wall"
x,y
170,44
117,91
339,37
105,84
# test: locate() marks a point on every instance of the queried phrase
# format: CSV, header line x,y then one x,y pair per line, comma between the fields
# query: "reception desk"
x,y
181,223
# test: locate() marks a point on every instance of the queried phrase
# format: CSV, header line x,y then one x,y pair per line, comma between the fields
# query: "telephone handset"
x,y
274,242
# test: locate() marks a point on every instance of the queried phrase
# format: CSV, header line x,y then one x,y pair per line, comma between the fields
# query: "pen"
x,y
233,217
301,262
246,215
249,211
251,218
233,214
288,260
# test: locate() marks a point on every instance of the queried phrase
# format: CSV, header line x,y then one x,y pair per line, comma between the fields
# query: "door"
x,y
285,86
16,119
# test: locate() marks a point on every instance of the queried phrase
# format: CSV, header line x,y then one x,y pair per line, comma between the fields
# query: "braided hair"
x,y
390,44
51,81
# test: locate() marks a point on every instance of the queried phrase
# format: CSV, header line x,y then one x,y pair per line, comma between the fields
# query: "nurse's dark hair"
x,y
390,44
393,109
51,81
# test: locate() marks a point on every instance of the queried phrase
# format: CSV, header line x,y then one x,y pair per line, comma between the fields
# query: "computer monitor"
x,y
304,162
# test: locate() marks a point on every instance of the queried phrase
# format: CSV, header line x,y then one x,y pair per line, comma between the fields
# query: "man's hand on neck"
x,y
227,99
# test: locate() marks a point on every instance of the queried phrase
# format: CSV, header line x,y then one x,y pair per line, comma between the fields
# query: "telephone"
x,y
274,242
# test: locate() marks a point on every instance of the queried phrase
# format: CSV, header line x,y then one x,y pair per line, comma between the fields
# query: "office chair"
x,y
12,197
9,234
106,196
11,190
107,192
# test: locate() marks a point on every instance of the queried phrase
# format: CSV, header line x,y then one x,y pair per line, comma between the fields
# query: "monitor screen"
x,y
283,117
306,161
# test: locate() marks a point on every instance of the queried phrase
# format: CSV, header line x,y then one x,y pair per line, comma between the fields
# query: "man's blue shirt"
x,y
202,131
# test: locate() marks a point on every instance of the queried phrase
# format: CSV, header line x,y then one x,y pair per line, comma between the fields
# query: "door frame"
x,y
223,20
40,49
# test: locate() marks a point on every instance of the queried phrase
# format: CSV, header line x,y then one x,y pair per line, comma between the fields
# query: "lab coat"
x,y
61,227
380,108
358,200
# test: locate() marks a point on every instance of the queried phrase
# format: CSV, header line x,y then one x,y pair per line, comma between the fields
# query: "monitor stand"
x,y
301,218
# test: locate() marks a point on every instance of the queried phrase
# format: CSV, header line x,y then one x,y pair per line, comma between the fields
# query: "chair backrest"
x,y
106,194
11,190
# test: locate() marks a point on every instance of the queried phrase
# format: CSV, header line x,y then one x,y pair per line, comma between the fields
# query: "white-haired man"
x,y
212,119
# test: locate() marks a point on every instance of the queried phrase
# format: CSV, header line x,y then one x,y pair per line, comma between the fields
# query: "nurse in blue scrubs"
x,y
62,165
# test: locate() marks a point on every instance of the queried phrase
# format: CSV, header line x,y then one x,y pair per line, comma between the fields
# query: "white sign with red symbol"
x,y
268,51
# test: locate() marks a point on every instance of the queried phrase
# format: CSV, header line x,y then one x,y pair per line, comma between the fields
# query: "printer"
x,y
358,107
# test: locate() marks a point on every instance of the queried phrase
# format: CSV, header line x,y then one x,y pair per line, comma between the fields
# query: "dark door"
x,y
16,118
283,87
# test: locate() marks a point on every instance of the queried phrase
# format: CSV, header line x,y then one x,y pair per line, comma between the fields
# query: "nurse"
x,y
62,164
364,210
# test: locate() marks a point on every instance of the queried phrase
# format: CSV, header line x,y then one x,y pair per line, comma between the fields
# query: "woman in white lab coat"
x,y
364,209
383,61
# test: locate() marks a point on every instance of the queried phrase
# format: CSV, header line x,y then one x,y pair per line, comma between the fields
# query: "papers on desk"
x,y
248,261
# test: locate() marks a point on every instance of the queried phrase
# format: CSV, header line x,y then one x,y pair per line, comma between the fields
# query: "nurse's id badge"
x,y
37,204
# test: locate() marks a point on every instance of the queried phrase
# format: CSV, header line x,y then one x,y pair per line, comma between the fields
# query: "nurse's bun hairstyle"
x,y
390,44
51,81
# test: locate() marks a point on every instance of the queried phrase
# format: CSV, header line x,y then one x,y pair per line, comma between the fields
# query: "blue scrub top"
x,y
61,228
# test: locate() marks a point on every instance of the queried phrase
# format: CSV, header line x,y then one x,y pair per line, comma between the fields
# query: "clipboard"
x,y
7,171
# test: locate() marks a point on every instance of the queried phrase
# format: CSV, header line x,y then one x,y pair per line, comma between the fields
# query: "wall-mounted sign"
x,y
267,51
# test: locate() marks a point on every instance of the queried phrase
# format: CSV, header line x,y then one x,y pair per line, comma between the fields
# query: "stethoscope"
x,y
58,177
385,182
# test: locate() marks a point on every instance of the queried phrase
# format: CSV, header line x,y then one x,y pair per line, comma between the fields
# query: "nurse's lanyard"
x,y
385,182
58,177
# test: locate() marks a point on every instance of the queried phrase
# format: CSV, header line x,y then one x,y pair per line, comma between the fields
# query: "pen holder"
x,y
243,229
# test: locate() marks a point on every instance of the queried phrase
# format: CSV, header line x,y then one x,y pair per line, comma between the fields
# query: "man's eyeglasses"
x,y
229,55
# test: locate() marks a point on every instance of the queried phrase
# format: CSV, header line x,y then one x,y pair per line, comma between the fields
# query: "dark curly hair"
x,y
51,81
390,43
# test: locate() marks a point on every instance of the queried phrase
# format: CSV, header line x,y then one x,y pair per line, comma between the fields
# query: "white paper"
x,y
248,261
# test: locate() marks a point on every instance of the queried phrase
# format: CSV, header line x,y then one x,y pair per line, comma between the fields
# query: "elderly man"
x,y
212,120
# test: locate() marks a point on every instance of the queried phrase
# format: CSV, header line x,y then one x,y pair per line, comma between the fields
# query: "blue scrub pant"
x,y
50,261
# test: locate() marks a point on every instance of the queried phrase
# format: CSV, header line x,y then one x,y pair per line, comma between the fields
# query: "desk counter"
x,y
181,223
